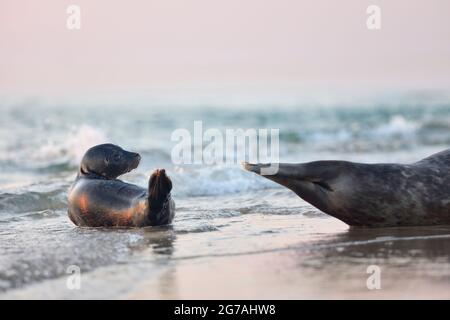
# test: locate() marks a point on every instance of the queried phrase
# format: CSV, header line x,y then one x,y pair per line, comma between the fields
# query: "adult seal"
x,y
98,199
372,195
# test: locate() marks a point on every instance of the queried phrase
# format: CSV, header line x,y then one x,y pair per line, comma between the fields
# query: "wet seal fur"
x,y
372,195
98,199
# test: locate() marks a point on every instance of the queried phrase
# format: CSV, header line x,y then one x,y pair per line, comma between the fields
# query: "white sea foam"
x,y
217,180
397,126
72,147
80,141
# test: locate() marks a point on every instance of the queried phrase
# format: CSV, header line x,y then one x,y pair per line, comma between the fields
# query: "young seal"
x,y
372,195
98,199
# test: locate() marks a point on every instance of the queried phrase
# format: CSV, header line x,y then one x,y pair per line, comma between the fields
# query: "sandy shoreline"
x,y
414,264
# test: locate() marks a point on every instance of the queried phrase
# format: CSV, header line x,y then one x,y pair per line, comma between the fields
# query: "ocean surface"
x,y
225,216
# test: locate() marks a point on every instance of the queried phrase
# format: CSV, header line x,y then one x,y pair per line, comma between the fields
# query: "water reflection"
x,y
161,239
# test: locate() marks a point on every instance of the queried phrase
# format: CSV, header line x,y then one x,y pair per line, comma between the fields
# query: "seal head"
x,y
109,161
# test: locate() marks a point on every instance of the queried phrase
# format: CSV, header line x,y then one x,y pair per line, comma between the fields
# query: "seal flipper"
x,y
311,171
159,187
310,181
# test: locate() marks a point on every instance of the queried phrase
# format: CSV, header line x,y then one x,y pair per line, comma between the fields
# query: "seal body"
x,y
372,195
98,199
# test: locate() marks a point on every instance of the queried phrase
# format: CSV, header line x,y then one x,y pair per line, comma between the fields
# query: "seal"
x,y
98,199
371,195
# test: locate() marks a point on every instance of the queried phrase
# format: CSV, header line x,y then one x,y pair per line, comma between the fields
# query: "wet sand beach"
x,y
330,262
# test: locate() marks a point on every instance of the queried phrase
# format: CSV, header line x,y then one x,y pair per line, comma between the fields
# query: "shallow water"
x,y
234,233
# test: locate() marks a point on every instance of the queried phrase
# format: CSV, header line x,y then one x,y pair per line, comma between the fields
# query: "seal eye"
x,y
116,158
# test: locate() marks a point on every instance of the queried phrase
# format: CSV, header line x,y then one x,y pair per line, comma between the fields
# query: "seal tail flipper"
x,y
159,188
311,171
307,180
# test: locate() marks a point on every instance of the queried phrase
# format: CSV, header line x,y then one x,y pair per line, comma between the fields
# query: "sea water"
x,y
222,210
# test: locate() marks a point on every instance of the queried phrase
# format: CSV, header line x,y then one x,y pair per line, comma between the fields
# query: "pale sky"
x,y
138,44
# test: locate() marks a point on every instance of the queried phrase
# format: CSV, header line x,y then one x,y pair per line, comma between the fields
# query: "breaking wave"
x,y
72,148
